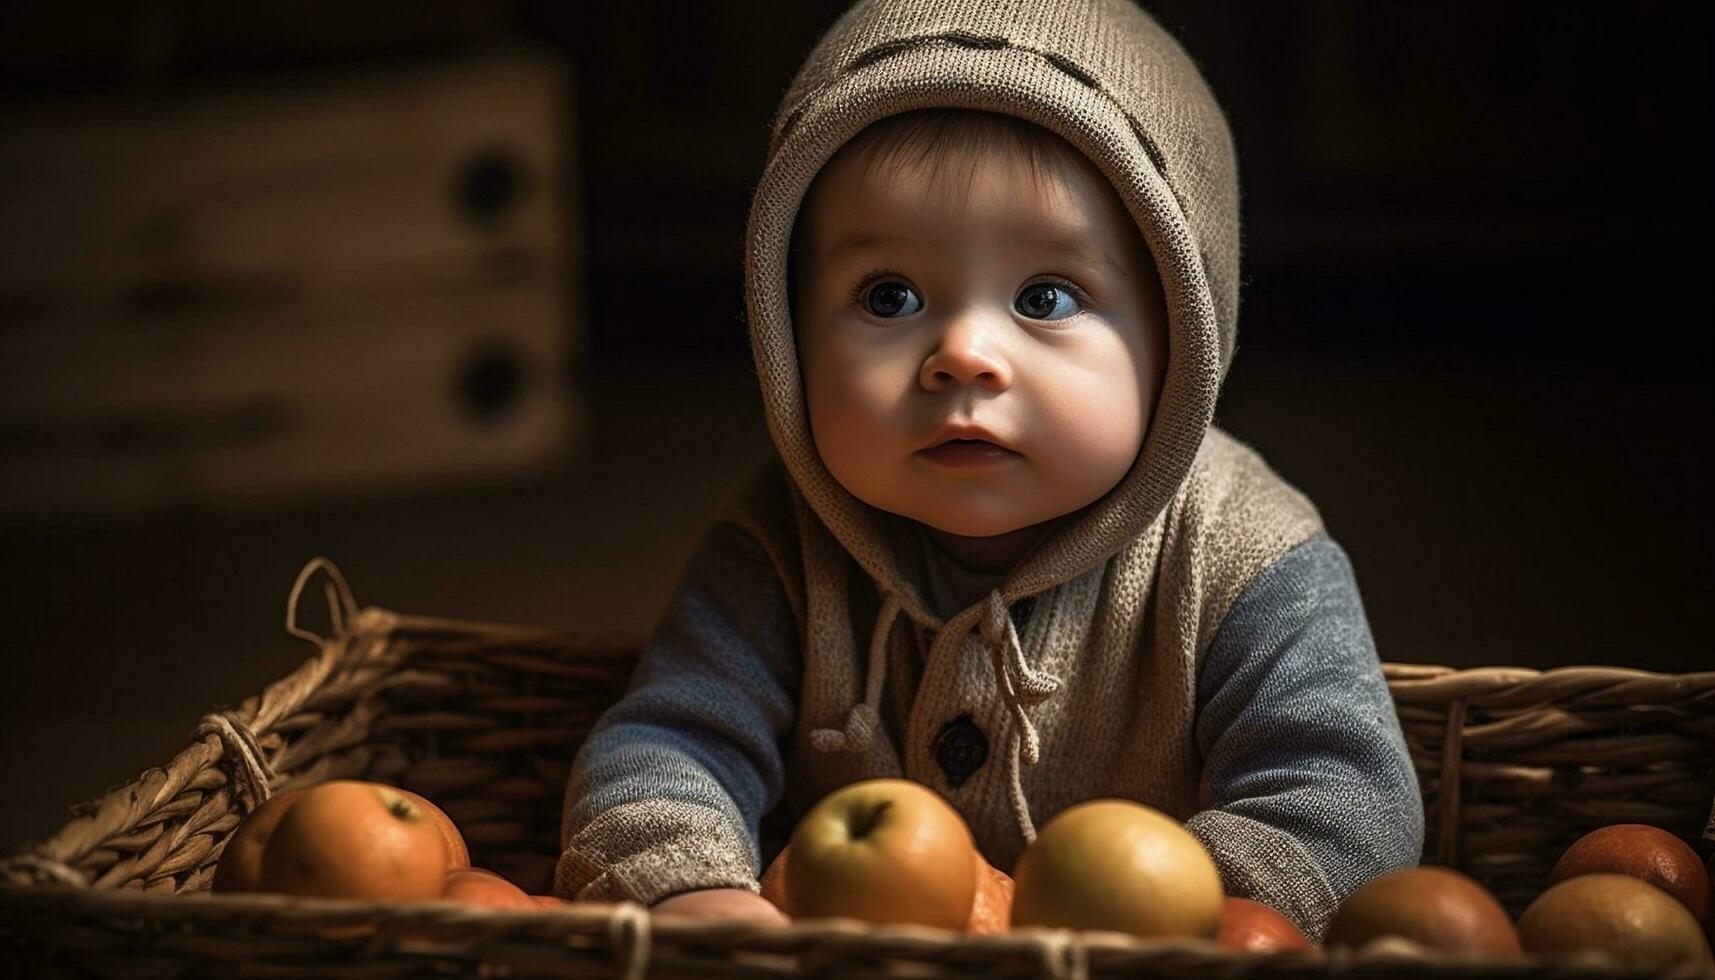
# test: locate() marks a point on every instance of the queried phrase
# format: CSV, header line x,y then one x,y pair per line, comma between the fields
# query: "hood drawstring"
x,y
1020,688
865,716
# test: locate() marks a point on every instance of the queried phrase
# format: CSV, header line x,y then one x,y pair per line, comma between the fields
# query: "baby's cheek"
x,y
1090,430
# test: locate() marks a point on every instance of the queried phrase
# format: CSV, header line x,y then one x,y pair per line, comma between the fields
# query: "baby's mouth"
x,y
966,452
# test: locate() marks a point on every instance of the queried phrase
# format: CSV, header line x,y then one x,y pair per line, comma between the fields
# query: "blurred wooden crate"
x,y
321,284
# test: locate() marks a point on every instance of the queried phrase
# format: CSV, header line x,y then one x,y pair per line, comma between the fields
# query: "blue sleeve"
x,y
667,792
1309,788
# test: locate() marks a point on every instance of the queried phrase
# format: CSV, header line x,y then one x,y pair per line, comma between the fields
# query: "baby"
x,y
992,275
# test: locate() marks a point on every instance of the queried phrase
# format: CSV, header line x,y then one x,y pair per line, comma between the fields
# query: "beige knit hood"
x,y
1105,77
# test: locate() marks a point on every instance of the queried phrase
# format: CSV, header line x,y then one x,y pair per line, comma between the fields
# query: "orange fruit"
x,y
240,865
350,839
477,886
458,855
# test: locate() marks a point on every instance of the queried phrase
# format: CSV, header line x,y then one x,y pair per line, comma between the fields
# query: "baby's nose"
x,y
968,353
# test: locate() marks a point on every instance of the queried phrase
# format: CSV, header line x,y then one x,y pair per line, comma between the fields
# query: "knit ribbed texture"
x,y
801,593
1310,787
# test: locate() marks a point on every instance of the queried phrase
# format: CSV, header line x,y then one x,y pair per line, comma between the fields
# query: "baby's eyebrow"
x,y
1075,248
858,243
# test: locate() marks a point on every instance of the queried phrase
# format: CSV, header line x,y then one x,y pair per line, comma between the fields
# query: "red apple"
x,y
884,850
1252,927
1435,907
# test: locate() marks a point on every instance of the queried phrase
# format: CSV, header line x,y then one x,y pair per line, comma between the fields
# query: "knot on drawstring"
x,y
1020,687
864,720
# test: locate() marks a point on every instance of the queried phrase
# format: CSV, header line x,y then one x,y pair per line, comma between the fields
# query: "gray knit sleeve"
x,y
666,793
1309,787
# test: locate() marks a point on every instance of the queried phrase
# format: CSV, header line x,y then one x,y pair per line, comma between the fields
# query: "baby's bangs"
x,y
947,145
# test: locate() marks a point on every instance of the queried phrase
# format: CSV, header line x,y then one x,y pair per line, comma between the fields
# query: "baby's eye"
x,y
891,299
1046,301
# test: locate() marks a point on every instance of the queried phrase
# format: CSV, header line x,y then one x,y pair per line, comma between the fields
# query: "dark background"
x,y
1473,331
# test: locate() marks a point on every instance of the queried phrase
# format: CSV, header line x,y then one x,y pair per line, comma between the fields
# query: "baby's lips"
x,y
965,432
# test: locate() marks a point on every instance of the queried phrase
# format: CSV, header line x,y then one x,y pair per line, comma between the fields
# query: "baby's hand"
x,y
721,903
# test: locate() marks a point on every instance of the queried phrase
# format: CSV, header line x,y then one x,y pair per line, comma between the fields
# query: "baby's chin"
x,y
970,523
972,517
976,529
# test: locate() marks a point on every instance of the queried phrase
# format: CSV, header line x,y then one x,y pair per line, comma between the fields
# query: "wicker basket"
x,y
484,719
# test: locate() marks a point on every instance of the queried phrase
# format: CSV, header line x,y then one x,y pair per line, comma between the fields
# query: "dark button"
x,y
961,749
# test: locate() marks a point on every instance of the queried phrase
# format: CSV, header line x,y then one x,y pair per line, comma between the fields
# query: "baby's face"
x,y
1033,313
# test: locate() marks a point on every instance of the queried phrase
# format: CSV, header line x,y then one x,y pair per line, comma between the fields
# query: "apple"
x,y
774,880
1636,922
1644,852
351,839
883,850
991,908
1119,866
240,865
1252,927
1436,907
478,886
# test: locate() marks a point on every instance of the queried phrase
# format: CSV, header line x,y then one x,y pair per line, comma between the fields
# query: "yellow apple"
x,y
884,850
991,909
1638,923
1119,866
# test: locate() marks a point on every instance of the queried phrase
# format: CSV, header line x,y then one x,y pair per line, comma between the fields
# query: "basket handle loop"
x,y
342,605
628,931
250,762
1448,804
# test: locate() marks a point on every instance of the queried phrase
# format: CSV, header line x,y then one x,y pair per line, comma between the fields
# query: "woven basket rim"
x,y
1093,948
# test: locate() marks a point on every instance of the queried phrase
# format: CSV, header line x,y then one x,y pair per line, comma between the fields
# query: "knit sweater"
x,y
1193,639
